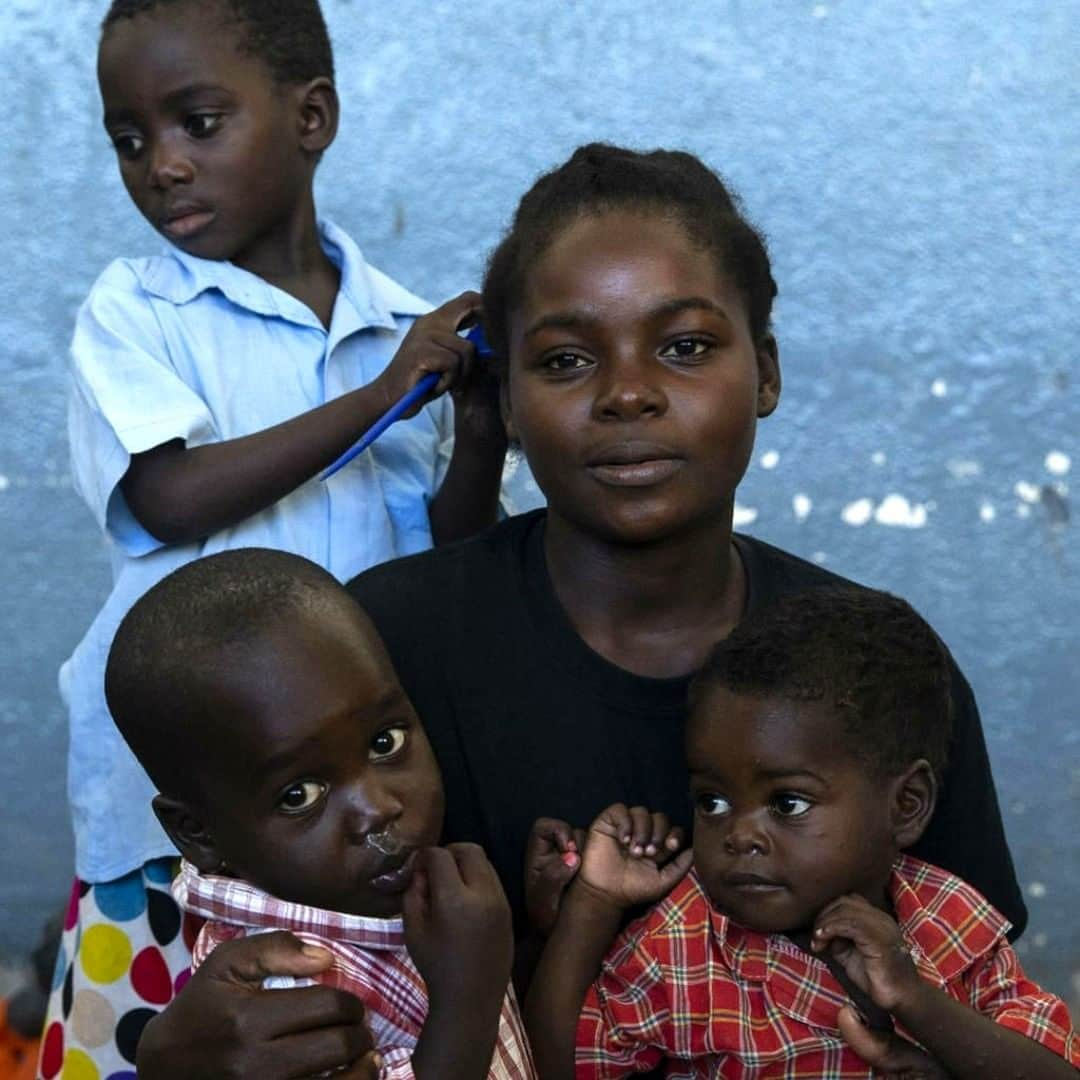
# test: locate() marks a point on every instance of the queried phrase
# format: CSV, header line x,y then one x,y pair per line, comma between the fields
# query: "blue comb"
x,y
421,390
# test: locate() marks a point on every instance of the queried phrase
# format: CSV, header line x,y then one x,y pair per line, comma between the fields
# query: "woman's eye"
x,y
787,805
684,349
388,743
711,805
201,125
127,146
302,796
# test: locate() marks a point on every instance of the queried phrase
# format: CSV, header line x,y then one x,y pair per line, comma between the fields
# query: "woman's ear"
x,y
768,362
318,110
188,833
913,798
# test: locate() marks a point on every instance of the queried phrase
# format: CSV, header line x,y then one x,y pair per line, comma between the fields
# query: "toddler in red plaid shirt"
x,y
297,782
802,942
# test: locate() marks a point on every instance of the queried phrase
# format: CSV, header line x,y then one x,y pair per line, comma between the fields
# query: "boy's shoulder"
x,y
950,921
162,275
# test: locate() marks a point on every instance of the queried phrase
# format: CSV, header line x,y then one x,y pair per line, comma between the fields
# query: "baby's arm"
x,y
628,860
964,1043
458,932
180,494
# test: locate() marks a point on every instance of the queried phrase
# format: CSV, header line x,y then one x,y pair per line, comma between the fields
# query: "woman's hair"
x,y
599,178
289,36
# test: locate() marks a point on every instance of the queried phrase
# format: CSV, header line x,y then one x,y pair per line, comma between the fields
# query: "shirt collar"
x,y
230,900
945,923
179,278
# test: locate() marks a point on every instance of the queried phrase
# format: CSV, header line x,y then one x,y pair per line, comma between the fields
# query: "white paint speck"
x,y
987,512
1040,941
939,388
857,513
5,483
821,11
1019,807
1023,510
895,510
802,504
1058,463
1026,492
744,515
963,468
819,557
1036,889
878,457
770,459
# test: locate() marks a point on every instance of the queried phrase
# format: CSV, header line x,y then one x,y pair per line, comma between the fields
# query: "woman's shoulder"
x,y
772,572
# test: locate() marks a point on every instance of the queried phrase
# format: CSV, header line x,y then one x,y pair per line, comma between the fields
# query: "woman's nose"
x,y
628,390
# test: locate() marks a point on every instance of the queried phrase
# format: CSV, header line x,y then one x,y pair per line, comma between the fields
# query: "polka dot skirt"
x,y
126,951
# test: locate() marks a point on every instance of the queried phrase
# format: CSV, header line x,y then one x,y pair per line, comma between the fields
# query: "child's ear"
x,y
913,798
188,833
506,411
318,111
768,362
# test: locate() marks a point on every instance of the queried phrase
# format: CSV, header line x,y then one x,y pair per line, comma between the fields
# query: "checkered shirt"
x,y
369,960
685,987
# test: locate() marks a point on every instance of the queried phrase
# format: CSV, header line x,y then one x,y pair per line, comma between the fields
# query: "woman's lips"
x,y
633,464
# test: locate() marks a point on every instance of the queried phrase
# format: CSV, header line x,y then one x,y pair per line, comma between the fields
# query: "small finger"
x,y
474,867
459,311
675,839
661,826
616,820
641,830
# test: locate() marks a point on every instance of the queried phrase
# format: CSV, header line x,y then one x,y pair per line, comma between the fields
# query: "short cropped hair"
x,y
289,36
159,674
865,654
599,178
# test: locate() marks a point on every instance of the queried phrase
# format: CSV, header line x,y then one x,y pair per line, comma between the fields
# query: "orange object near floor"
x,y
18,1055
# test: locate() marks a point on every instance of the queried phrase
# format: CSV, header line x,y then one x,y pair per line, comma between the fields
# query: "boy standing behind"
x,y
210,385
816,737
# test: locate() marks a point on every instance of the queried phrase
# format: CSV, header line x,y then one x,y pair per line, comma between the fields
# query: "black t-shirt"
x,y
527,721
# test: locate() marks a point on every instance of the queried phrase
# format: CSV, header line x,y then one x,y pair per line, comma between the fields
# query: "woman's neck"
x,y
652,609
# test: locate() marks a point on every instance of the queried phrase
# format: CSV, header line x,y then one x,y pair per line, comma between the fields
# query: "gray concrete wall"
x,y
915,165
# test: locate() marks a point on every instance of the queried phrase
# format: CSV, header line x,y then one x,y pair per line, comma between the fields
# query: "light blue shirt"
x,y
176,347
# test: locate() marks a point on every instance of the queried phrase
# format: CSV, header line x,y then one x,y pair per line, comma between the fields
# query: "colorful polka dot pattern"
x,y
125,954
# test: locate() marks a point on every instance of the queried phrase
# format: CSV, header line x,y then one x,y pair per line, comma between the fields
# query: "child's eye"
x,y
562,362
202,125
127,146
788,805
710,804
387,743
302,796
684,349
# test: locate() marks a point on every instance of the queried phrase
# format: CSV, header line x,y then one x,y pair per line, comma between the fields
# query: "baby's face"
x,y
326,785
785,818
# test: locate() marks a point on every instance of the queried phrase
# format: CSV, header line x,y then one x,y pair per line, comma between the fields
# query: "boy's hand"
x,y
432,344
868,945
457,924
552,858
630,858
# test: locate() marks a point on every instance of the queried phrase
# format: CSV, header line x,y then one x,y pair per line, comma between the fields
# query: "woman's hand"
x,y
224,1024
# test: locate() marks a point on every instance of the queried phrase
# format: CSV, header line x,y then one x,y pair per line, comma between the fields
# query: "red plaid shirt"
x,y
370,961
686,987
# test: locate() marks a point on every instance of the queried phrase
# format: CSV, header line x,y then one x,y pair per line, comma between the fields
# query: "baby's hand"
x,y
630,858
457,924
868,945
432,344
552,858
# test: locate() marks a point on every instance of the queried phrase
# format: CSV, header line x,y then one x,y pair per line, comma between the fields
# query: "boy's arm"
x,y
868,943
625,863
457,930
180,494
467,501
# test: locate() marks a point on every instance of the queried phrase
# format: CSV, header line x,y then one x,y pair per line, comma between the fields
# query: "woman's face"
x,y
634,384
